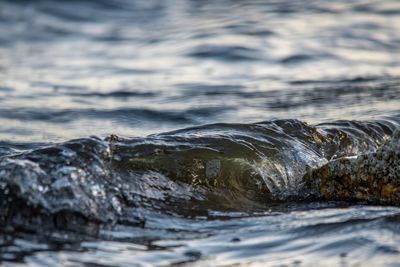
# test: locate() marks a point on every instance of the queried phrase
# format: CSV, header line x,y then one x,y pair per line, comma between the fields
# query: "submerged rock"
x,y
373,177
63,185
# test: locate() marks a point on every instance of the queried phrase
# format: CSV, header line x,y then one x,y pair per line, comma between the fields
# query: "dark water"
x,y
288,153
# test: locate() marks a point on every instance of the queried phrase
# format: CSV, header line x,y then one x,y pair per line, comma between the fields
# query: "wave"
x,y
122,115
225,53
226,167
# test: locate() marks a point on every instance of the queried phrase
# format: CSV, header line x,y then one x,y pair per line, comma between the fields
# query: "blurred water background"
x,y
77,68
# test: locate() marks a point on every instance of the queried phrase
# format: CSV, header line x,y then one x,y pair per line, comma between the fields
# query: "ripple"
x,y
123,115
225,53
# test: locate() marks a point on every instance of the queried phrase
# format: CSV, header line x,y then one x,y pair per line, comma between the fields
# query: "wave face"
x,y
225,167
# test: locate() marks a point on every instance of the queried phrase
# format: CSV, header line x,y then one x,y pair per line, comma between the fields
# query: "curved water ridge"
x,y
234,167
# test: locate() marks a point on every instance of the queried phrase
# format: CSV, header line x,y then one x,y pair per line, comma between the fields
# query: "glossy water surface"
x,y
94,170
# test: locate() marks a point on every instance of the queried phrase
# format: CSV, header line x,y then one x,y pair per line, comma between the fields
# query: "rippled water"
x,y
288,153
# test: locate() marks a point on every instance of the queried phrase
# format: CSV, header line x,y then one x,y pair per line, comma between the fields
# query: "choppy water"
x,y
288,153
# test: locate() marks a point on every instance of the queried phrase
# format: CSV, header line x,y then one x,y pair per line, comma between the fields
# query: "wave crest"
x,y
212,167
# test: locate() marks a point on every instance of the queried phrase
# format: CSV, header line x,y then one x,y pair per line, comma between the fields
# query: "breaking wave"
x,y
222,167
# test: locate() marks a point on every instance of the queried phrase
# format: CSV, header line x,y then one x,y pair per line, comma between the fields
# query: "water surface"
x,y
93,95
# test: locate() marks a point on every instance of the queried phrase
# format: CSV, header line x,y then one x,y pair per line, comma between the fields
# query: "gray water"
x,y
141,133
